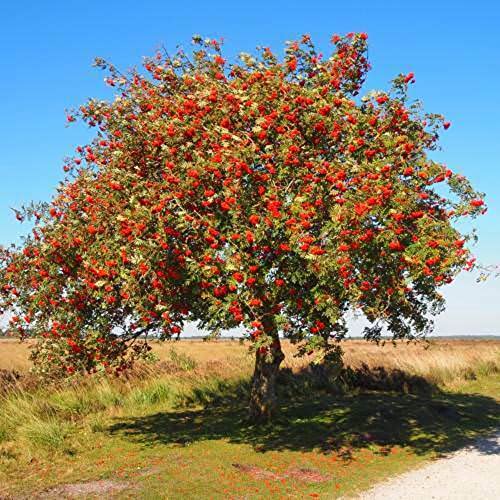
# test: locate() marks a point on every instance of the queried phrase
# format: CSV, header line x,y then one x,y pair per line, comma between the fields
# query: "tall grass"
x,y
49,419
444,363
33,422
43,419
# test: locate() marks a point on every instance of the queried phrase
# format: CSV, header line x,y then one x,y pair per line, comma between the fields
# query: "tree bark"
x,y
263,401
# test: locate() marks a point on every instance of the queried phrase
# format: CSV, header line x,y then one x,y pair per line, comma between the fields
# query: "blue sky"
x,y
451,46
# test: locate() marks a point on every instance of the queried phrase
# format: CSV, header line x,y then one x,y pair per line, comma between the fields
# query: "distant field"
x,y
440,361
178,428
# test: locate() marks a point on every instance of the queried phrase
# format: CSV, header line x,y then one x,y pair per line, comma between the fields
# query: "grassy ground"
x,y
178,429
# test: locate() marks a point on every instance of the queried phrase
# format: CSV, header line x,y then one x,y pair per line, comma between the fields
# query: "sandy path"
x,y
472,473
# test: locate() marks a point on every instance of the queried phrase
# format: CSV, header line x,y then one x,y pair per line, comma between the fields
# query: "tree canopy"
x,y
265,194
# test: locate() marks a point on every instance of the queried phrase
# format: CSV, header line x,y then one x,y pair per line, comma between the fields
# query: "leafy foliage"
x,y
264,194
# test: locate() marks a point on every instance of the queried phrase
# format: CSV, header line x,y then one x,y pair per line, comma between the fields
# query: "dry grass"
x,y
14,355
440,362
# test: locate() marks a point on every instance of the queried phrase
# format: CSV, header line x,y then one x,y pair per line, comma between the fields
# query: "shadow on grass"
x,y
315,416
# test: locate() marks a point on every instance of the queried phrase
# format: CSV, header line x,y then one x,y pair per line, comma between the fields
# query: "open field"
x,y
177,428
440,361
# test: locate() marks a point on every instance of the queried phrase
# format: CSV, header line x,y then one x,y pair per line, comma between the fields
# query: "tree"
x,y
262,194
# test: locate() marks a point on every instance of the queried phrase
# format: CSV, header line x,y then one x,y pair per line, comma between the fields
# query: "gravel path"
x,y
472,473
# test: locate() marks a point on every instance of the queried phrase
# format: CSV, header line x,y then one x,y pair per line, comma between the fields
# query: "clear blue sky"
x,y
452,46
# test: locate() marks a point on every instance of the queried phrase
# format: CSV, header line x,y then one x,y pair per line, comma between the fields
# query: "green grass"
x,y
185,436
181,360
48,434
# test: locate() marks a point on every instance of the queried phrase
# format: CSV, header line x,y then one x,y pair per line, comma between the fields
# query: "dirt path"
x,y
469,474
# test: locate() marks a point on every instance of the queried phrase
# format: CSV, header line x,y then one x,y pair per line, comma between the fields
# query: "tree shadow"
x,y
331,421
488,445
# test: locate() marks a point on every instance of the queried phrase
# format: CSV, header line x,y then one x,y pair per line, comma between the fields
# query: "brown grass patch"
x,y
101,489
257,472
305,475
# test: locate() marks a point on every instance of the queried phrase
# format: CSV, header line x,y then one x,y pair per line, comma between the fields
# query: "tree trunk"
x,y
263,402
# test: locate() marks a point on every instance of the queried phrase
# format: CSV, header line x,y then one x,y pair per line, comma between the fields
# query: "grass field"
x,y
177,428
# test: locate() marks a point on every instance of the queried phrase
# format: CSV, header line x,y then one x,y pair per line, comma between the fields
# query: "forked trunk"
x,y
263,402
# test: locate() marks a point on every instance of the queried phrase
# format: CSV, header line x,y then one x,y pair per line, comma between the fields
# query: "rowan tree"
x,y
264,194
